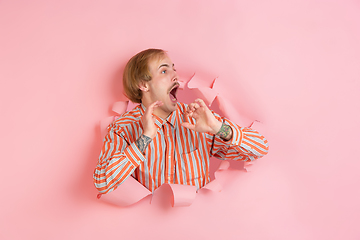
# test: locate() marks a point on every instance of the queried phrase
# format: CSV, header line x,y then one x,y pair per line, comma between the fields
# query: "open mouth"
x,y
173,92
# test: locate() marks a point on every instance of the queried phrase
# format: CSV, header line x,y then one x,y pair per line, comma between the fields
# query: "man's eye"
x,y
163,71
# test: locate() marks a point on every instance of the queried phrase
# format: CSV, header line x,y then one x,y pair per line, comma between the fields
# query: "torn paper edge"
x,y
131,191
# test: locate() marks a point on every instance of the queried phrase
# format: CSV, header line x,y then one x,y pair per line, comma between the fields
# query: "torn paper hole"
x,y
131,191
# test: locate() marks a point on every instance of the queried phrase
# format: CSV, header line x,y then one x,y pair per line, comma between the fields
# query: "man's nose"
x,y
175,77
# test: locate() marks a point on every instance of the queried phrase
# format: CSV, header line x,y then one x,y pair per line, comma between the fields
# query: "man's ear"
x,y
143,86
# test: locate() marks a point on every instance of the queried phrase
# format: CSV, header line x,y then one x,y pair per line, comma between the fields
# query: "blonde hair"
x,y
137,70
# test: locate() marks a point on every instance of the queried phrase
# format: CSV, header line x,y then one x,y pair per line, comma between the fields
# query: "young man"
x,y
164,141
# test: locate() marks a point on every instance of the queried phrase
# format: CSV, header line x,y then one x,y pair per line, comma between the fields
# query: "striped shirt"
x,y
176,154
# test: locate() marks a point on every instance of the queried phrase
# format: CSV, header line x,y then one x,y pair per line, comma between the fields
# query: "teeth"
x,y
172,97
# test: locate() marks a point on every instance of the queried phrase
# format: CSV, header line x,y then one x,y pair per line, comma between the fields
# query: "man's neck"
x,y
158,112
161,114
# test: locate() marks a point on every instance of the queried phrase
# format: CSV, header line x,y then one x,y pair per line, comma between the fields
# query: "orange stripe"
x,y
255,145
198,160
172,157
155,160
178,154
206,167
186,160
160,156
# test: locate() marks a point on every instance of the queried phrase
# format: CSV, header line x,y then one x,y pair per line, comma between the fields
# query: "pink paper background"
x,y
293,65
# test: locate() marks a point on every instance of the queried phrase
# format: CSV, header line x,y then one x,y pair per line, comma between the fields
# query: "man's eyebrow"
x,y
166,65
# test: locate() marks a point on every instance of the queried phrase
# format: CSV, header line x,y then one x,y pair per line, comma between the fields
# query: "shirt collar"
x,y
173,116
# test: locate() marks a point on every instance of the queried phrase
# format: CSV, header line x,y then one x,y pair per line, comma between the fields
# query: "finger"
x,y
191,107
200,102
188,125
187,116
194,106
154,105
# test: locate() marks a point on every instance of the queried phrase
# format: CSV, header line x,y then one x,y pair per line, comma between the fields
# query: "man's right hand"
x,y
148,120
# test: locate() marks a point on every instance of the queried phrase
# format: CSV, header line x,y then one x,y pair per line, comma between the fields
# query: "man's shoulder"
x,y
127,118
181,106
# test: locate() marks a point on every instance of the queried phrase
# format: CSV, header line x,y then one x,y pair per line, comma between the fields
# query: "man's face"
x,y
163,86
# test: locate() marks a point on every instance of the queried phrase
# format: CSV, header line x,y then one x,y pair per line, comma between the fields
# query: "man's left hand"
x,y
205,120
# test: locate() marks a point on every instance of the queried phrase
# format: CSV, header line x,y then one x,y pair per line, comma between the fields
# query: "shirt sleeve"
x,y
117,161
246,144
